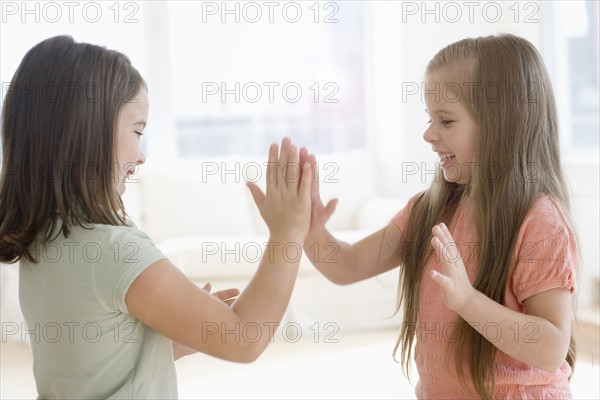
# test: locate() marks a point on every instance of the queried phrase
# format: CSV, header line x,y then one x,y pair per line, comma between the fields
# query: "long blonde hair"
x,y
517,158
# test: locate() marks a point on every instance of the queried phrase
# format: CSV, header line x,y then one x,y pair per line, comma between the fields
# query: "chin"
x,y
451,176
451,180
456,173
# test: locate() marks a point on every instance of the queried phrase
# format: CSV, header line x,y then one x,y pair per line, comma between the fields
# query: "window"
x,y
244,74
571,45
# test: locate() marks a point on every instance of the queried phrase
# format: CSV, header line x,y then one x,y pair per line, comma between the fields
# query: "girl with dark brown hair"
x,y
109,312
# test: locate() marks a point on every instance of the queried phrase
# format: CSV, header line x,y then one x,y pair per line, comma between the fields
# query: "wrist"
x,y
315,236
286,238
471,297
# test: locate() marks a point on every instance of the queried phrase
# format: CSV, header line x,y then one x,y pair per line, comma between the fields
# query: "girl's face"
x,y
130,124
452,132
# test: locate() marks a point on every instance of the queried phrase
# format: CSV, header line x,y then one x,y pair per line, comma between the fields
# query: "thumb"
x,y
257,194
330,207
440,279
207,287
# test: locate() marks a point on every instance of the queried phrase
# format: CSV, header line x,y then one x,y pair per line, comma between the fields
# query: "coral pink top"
x,y
545,258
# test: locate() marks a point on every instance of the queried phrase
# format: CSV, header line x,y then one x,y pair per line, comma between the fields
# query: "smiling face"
x,y
452,132
130,124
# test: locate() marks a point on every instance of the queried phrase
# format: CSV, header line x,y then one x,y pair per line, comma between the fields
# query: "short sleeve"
x,y
127,252
547,253
401,218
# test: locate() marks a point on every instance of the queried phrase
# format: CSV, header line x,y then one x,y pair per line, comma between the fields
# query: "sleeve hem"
x,y
131,275
544,286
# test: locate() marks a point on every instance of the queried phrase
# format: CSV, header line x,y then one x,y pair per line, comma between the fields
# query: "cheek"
x,y
469,145
129,149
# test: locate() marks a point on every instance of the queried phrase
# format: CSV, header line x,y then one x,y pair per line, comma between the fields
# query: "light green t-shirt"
x,y
85,343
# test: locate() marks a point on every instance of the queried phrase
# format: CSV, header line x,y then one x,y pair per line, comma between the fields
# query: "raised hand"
x,y
320,213
286,206
453,279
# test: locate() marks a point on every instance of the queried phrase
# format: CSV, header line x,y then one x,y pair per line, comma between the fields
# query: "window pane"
x,y
583,56
571,48
247,73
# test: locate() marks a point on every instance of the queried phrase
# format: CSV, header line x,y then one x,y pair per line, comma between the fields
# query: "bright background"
x,y
344,76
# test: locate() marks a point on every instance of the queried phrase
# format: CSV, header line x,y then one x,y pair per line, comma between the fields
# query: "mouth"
x,y
446,159
128,174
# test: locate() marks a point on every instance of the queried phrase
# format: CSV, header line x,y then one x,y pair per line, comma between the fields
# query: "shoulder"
x,y
546,254
110,233
123,252
112,246
400,219
545,219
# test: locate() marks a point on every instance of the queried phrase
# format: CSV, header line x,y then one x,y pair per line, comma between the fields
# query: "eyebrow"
x,y
143,123
441,110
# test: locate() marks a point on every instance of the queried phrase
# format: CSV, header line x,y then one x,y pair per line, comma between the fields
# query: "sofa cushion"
x,y
178,199
349,177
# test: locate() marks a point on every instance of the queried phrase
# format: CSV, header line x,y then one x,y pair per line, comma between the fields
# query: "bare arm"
x,y
227,296
540,337
163,298
166,300
341,262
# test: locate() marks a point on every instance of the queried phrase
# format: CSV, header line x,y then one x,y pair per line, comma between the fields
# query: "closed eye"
x,y
447,122
139,133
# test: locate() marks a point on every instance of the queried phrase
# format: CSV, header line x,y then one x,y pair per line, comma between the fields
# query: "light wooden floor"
x,y
358,366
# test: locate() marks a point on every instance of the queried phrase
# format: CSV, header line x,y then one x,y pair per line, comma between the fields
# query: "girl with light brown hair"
x,y
487,254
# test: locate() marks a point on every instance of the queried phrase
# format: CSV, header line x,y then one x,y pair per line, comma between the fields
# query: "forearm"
x,y
527,338
334,258
262,304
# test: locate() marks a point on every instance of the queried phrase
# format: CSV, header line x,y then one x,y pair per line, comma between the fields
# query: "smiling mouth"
x,y
447,159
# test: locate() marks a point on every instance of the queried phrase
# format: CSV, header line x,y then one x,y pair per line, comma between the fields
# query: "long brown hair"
x,y
58,141
517,158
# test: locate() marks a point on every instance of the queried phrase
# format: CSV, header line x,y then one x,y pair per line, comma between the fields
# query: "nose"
x,y
141,159
430,134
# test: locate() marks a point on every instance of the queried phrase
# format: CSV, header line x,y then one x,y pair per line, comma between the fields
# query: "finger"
x,y
285,150
303,155
445,233
314,188
440,253
272,167
230,301
226,294
257,194
441,279
330,208
447,252
291,172
207,287
305,182
437,246
437,232
284,154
